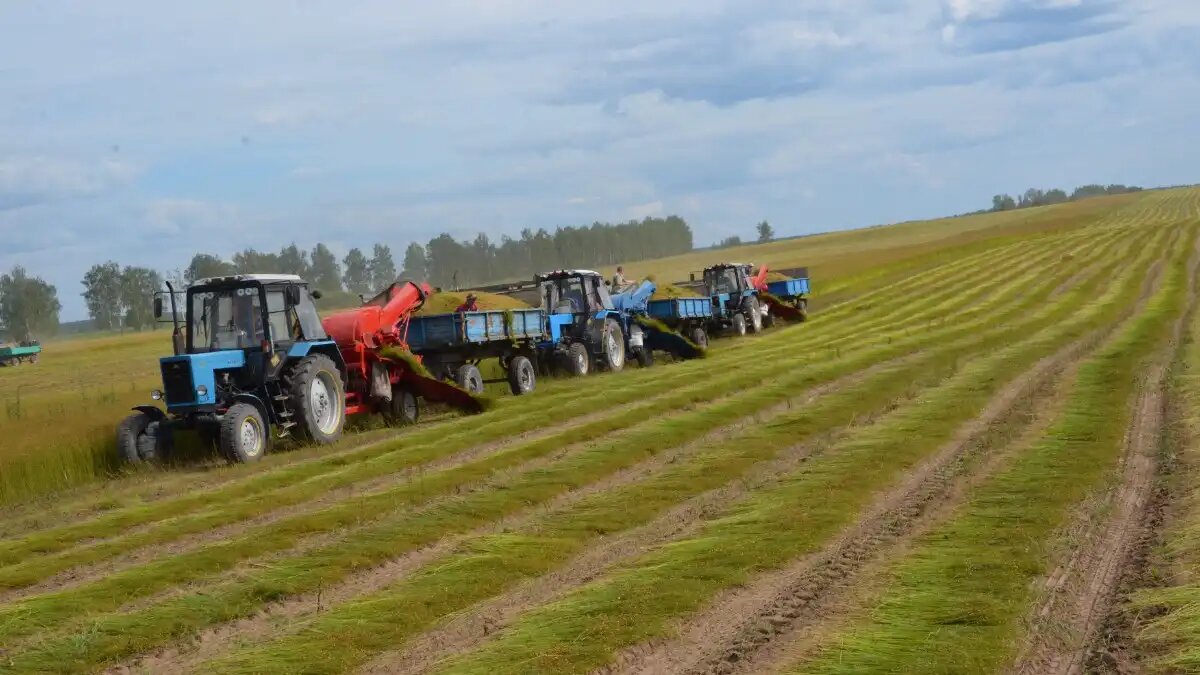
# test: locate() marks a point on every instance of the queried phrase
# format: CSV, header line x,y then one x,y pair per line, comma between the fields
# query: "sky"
x,y
144,132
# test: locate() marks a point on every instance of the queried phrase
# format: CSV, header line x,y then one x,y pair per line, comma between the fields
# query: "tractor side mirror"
x,y
158,308
292,294
316,294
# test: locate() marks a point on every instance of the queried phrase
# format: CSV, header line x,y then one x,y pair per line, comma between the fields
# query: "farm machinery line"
x,y
254,361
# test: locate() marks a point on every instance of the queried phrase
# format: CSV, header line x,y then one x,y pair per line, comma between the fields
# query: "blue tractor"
x,y
583,329
252,362
736,306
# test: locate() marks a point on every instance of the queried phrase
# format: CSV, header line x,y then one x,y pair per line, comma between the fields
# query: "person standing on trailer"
x,y
468,304
619,282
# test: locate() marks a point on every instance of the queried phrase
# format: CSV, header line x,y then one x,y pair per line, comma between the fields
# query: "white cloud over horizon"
x,y
144,133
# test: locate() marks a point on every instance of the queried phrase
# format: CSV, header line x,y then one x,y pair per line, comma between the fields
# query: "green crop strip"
x,y
1171,639
248,501
112,637
955,603
776,525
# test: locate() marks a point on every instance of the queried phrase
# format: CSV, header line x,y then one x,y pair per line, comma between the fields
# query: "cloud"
x,y
390,123
25,181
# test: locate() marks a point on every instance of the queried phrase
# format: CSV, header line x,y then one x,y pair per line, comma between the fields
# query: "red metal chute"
x,y
776,306
374,335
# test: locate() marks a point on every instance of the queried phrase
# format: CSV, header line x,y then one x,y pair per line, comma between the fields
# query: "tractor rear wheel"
x,y
753,315
700,337
243,434
468,377
612,346
129,433
521,376
403,408
578,361
318,400
739,324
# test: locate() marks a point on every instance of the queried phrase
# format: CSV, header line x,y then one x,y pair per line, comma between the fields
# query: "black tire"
x,y
128,432
769,320
700,337
645,357
739,324
403,409
578,361
317,398
156,441
468,377
803,307
244,436
753,314
521,376
612,346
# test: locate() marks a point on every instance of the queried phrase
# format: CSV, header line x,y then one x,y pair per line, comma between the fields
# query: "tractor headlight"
x,y
202,390
156,395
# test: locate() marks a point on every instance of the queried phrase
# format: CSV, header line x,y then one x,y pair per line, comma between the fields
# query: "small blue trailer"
x,y
452,345
689,316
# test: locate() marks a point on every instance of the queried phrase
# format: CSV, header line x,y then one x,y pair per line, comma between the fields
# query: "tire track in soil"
x,y
1067,627
737,629
743,629
211,642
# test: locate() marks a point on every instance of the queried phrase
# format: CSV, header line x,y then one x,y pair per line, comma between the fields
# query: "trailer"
x,y
453,345
26,351
784,298
688,316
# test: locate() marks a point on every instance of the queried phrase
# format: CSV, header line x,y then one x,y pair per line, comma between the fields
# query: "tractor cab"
x,y
729,279
582,324
734,297
251,361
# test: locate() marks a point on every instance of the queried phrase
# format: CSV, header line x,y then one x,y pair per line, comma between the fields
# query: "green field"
x,y
978,455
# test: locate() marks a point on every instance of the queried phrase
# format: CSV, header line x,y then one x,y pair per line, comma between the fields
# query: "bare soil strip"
x,y
1079,598
742,629
263,625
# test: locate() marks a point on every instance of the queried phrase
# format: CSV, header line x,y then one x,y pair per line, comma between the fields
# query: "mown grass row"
x,y
956,601
364,546
1170,639
284,487
35,569
488,564
776,525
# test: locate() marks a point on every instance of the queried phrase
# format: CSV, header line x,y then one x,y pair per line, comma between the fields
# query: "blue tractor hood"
x,y
184,376
634,300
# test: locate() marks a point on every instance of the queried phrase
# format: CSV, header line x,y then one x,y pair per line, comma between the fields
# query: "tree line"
x,y
1038,197
447,262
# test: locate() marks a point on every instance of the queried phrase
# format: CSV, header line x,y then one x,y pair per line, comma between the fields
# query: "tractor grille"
x,y
177,382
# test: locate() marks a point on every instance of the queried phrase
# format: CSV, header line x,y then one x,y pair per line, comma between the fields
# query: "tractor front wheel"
x,y
243,434
317,398
753,315
521,376
129,433
469,378
578,361
612,346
